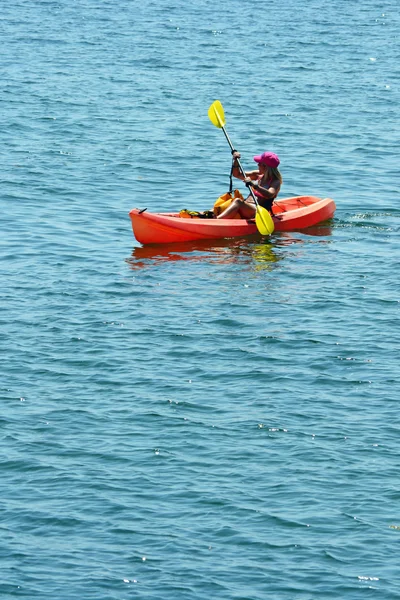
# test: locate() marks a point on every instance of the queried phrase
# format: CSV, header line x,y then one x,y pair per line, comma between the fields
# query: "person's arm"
x,y
236,172
267,193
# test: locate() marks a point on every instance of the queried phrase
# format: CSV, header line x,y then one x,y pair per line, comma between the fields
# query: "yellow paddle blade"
x,y
216,114
264,222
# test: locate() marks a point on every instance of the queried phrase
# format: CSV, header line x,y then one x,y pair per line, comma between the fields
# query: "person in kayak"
x,y
265,182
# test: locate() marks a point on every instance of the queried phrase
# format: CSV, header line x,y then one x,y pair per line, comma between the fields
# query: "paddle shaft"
x,y
216,115
238,162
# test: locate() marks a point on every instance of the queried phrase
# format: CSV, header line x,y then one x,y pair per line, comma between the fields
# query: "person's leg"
x,y
246,210
232,210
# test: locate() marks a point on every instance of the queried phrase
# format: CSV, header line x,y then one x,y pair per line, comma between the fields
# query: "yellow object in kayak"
x,y
226,200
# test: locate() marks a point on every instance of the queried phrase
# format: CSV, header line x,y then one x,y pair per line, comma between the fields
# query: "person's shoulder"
x,y
276,185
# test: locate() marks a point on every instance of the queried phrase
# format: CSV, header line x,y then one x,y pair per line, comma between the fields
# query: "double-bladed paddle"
x,y
264,222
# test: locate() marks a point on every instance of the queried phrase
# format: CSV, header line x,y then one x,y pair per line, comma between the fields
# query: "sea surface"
x,y
213,420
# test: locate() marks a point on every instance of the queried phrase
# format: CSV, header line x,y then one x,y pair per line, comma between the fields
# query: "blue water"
x,y
213,420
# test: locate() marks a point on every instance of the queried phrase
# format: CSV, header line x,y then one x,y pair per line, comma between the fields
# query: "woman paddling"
x,y
266,183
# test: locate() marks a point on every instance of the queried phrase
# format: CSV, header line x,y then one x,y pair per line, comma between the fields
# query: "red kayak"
x,y
290,214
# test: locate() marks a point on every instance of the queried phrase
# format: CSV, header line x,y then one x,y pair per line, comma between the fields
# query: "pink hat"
x,y
268,158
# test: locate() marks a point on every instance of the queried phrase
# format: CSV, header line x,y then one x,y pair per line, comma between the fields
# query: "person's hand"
x,y
249,182
235,155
